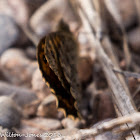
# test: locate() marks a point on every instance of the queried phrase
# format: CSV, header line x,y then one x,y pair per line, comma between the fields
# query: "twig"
x,y
106,43
134,119
107,66
128,74
111,6
137,4
31,34
122,98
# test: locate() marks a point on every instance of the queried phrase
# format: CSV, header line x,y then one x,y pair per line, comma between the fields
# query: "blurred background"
x,y
26,102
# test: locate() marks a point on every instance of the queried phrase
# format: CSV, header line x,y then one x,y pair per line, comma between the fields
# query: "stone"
x,y
127,11
38,84
7,132
30,110
10,114
134,41
85,70
16,9
22,96
62,132
9,32
2,77
70,123
44,124
103,106
17,68
49,103
31,52
27,128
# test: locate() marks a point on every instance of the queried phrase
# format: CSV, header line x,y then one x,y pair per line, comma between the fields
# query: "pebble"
x,y
8,133
85,69
103,106
70,123
133,38
62,132
127,11
30,110
49,103
31,52
43,124
10,114
17,68
22,96
9,32
2,77
16,9
38,84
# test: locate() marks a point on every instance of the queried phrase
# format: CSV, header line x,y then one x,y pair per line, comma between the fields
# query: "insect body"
x,y
57,58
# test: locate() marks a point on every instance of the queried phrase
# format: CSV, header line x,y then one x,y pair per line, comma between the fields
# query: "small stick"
x,y
134,119
127,73
121,95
